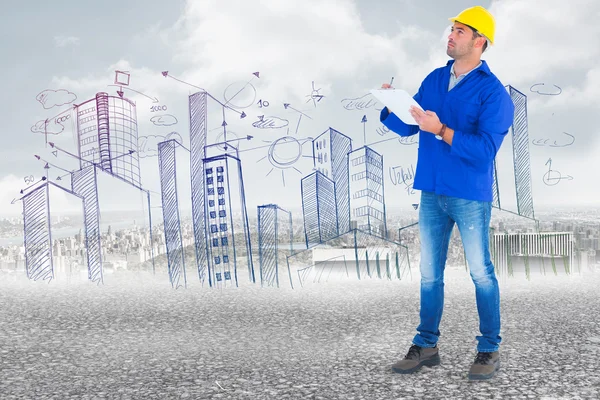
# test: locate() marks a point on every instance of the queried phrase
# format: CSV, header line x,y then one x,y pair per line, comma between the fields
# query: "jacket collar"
x,y
483,67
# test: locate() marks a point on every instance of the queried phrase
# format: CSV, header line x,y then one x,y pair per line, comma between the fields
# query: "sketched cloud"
x,y
50,127
52,98
360,103
547,90
270,123
164,120
148,145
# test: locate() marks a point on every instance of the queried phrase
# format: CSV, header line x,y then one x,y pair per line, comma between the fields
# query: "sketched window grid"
x,y
368,193
86,111
367,211
90,128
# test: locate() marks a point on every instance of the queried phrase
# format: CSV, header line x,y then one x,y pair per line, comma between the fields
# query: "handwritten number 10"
x,y
262,103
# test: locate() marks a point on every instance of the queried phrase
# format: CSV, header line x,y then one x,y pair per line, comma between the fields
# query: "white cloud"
x,y
63,41
536,39
292,43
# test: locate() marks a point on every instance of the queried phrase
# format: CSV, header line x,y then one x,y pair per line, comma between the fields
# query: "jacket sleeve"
x,y
495,118
395,124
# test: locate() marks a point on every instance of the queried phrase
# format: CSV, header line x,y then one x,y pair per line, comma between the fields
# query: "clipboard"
x,y
397,101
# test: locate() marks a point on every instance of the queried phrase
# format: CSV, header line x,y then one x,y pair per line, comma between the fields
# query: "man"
x,y
469,109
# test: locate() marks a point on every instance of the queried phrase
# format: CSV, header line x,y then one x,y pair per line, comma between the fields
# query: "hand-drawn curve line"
x,y
359,103
544,142
164,120
52,98
545,94
270,122
233,90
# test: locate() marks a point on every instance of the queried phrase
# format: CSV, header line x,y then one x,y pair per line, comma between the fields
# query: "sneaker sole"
x,y
430,362
482,377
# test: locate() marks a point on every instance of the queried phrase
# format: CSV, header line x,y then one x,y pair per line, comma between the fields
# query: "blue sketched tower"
x,y
228,243
330,154
274,228
198,134
367,203
167,160
107,135
319,209
521,160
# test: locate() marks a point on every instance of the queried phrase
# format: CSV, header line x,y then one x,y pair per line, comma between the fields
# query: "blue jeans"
x,y
437,216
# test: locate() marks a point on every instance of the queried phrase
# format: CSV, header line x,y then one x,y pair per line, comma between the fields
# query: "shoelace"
x,y
413,352
482,358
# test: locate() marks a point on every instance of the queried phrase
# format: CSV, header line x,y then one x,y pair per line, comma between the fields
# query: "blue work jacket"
x,y
480,111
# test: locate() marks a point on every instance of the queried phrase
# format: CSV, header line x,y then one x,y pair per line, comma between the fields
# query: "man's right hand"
x,y
386,86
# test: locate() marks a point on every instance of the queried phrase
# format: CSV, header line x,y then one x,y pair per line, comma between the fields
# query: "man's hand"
x,y
386,86
428,120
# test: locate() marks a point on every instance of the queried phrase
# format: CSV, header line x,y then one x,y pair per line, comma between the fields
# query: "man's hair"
x,y
478,35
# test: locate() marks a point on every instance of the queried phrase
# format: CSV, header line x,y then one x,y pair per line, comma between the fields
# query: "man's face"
x,y
460,41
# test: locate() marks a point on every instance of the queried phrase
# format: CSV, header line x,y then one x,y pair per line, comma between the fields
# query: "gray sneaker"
x,y
416,358
484,366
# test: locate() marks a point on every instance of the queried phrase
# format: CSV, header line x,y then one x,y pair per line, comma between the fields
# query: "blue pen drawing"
x,y
315,96
330,154
55,98
318,208
367,203
300,114
29,179
167,161
224,193
240,94
547,90
569,140
275,231
52,126
521,161
553,177
382,130
39,261
164,120
262,103
198,136
283,153
270,122
108,136
148,145
405,176
360,103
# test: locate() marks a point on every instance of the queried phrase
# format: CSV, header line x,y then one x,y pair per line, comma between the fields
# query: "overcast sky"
x,y
345,47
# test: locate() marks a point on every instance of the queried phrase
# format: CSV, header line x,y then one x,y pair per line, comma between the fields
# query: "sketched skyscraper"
x,y
318,208
366,191
520,144
330,152
225,215
108,136
198,130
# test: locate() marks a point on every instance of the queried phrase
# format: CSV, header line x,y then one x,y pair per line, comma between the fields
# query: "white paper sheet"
x,y
398,101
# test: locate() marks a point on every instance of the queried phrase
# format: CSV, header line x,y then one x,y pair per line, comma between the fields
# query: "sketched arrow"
x,y
236,140
154,99
364,122
49,164
243,87
32,185
69,153
167,75
287,105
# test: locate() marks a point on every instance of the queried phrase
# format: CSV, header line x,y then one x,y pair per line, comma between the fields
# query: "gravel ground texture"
x,y
137,338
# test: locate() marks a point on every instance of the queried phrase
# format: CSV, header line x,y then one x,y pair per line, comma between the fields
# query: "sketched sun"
x,y
284,153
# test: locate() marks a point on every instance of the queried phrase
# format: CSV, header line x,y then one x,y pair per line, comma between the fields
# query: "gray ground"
x,y
141,339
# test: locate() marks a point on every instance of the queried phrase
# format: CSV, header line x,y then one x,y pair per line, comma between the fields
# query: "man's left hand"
x,y
427,120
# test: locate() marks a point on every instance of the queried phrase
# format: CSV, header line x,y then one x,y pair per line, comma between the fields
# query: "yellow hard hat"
x,y
478,18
